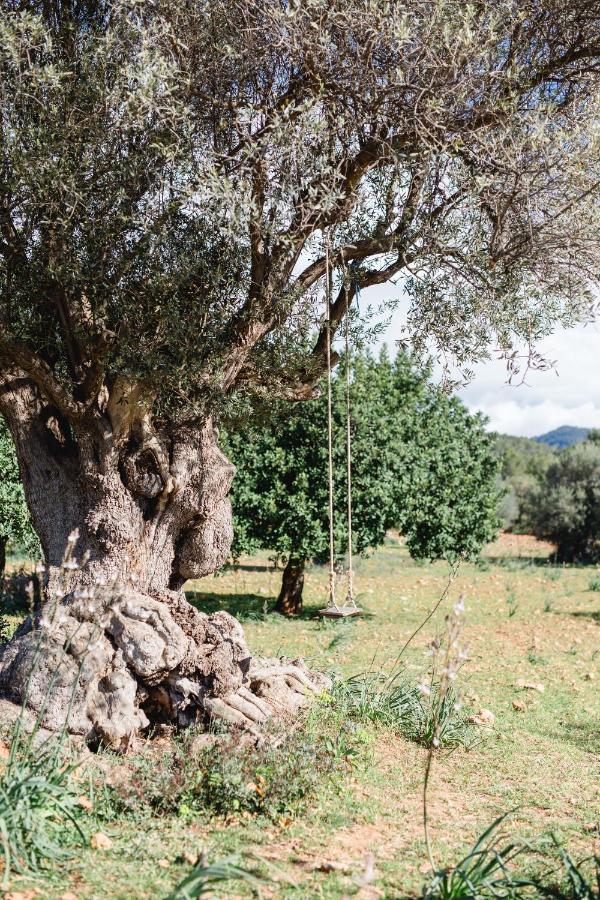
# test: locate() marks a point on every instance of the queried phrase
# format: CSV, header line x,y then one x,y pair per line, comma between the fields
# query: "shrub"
x,y
229,775
594,583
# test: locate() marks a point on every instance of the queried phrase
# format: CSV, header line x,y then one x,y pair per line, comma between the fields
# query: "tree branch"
x,y
42,375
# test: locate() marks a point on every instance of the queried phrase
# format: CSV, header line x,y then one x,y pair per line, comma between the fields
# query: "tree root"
x,y
111,669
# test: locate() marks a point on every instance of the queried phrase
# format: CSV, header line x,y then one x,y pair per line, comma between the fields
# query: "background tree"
x,y
524,463
420,462
565,508
15,523
168,172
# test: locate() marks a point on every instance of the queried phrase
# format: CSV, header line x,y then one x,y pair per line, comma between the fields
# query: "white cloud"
x,y
569,394
565,395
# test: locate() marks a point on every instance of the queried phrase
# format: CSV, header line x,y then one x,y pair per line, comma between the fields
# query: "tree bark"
x,y
289,602
3,542
125,515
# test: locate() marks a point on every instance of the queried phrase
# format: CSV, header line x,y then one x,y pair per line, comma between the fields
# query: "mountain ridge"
x,y
564,436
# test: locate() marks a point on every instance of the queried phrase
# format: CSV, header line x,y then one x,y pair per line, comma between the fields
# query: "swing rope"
x,y
328,285
349,607
350,594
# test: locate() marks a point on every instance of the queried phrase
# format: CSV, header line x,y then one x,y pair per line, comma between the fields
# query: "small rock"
x,y
85,803
68,896
589,676
164,863
519,705
100,841
190,857
592,826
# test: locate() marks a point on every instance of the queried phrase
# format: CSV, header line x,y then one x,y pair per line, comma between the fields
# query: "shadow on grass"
x,y
582,614
245,607
258,607
582,735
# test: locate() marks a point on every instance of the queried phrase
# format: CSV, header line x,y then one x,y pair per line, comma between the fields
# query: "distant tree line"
x,y
553,494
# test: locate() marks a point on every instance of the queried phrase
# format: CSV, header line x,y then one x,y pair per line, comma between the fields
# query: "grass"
x,y
540,755
40,807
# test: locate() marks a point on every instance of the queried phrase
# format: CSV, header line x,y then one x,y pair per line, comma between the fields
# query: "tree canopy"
x,y
565,507
420,463
169,170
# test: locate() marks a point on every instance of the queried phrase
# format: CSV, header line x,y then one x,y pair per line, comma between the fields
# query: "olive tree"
x,y
565,505
173,179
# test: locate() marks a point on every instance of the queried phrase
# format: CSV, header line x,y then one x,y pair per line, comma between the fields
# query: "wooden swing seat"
x,y
340,612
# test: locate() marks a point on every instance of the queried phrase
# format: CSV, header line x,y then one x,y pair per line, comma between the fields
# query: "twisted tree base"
x,y
112,669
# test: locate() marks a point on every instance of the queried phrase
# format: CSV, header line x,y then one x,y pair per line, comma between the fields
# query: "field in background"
x,y
525,622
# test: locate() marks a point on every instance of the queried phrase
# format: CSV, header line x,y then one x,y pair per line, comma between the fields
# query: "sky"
x,y
569,394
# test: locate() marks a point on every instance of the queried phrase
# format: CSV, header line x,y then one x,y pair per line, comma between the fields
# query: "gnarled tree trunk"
x,y
140,509
289,602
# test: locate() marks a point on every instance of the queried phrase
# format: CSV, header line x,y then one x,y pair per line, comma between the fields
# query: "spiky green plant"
x,y
483,873
203,878
396,703
576,883
39,807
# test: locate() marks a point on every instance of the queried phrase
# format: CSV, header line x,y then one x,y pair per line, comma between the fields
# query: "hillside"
x,y
563,436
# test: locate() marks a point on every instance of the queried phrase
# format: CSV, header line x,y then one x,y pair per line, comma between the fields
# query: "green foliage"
x,y
488,872
404,707
483,874
420,462
576,883
228,775
40,812
15,524
566,505
168,168
448,509
594,583
204,878
523,464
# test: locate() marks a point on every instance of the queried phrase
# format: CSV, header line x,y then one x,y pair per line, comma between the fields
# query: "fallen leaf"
x,y
483,717
85,803
100,841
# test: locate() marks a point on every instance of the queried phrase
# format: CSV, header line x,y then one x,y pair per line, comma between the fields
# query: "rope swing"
x,y
349,607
